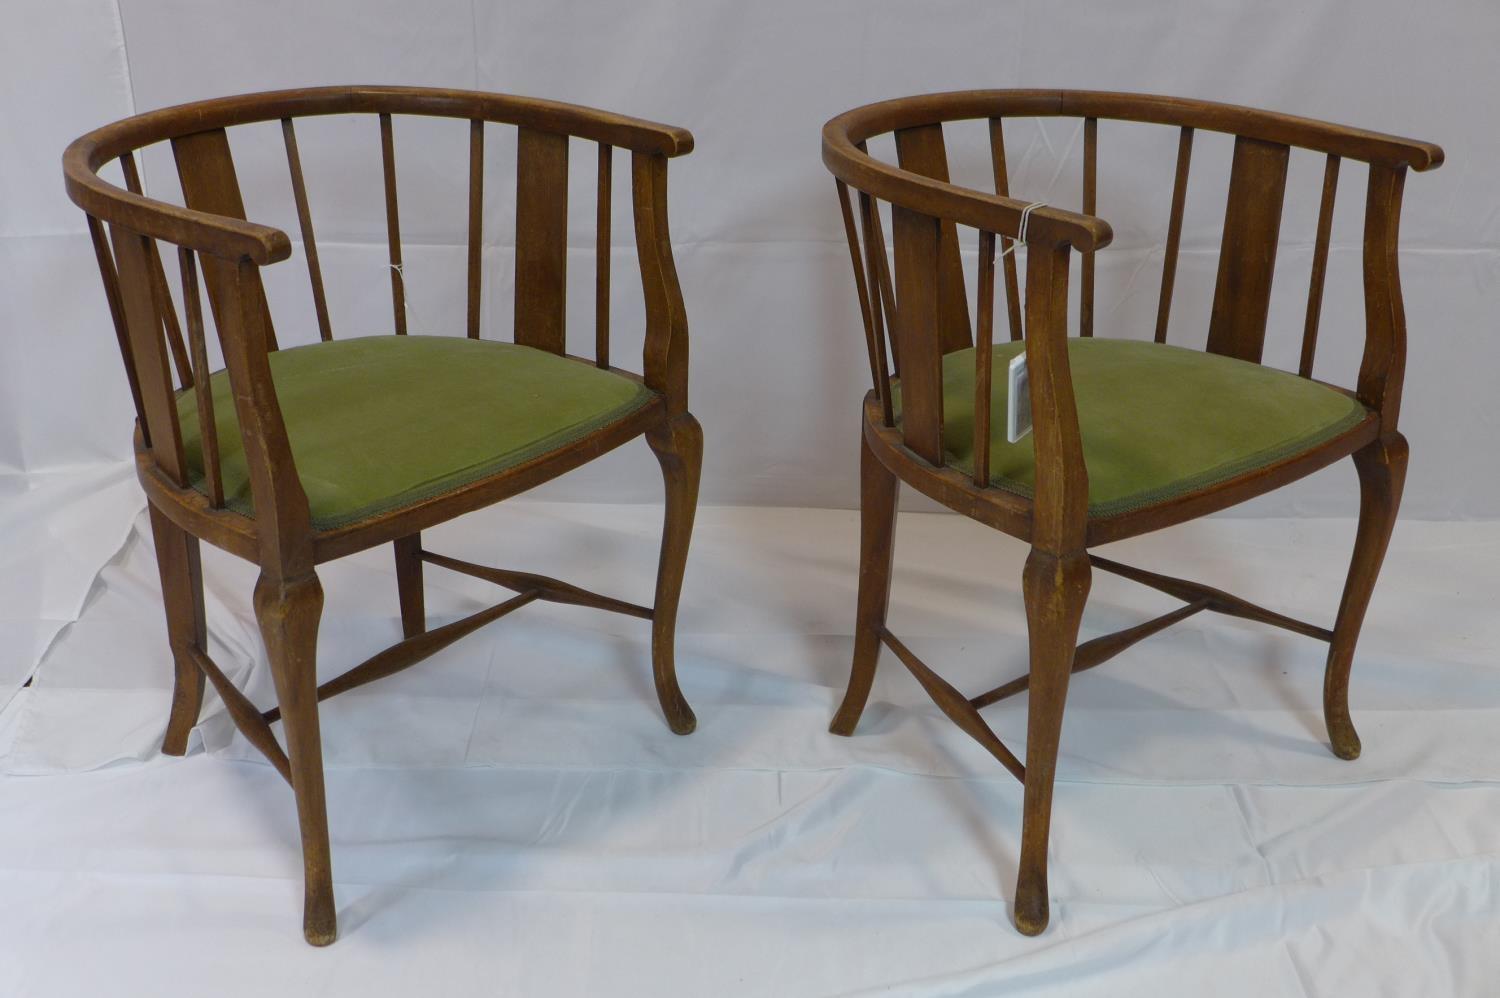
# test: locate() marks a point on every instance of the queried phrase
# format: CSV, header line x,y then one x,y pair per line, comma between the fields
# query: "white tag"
x,y
1017,400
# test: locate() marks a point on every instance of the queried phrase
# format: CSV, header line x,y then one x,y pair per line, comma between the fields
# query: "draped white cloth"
x,y
513,816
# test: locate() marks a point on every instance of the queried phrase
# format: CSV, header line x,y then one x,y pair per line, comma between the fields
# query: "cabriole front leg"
x,y
1382,474
1055,589
288,612
678,445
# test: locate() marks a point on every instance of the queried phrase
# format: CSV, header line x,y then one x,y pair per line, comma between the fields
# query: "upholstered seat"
x,y
380,422
1157,421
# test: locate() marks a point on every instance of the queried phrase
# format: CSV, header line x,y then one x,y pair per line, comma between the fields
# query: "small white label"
x,y
1017,400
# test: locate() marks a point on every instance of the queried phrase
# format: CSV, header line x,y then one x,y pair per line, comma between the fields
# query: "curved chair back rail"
x,y
209,232
916,310
213,234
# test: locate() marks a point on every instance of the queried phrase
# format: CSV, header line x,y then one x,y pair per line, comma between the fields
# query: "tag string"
x,y
411,309
1021,232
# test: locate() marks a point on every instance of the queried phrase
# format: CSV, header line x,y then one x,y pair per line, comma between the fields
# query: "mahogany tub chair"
x,y
293,457
1129,435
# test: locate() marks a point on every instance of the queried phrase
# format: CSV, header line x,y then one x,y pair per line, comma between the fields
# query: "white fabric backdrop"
x,y
777,357
562,843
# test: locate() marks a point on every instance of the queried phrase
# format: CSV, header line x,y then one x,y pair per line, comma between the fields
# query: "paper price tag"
x,y
1017,400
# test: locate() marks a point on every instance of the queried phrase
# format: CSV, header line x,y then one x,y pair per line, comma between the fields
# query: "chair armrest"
x,y
201,231
938,199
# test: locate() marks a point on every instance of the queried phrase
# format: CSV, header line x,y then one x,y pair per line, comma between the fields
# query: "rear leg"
x,y
879,489
179,561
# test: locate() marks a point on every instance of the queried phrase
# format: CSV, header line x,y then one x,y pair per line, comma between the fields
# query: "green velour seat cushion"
x,y
1157,421
381,422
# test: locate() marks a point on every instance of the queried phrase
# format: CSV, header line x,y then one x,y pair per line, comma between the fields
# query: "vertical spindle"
x,y
1002,188
476,222
107,271
1090,207
1174,233
158,277
393,224
1319,267
601,255
304,219
861,286
881,300
982,358
208,432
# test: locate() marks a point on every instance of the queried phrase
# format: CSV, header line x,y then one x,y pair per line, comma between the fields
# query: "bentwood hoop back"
x,y
1221,427
256,459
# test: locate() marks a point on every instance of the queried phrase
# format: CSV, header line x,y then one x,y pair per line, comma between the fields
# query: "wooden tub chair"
x,y
1129,436
293,457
